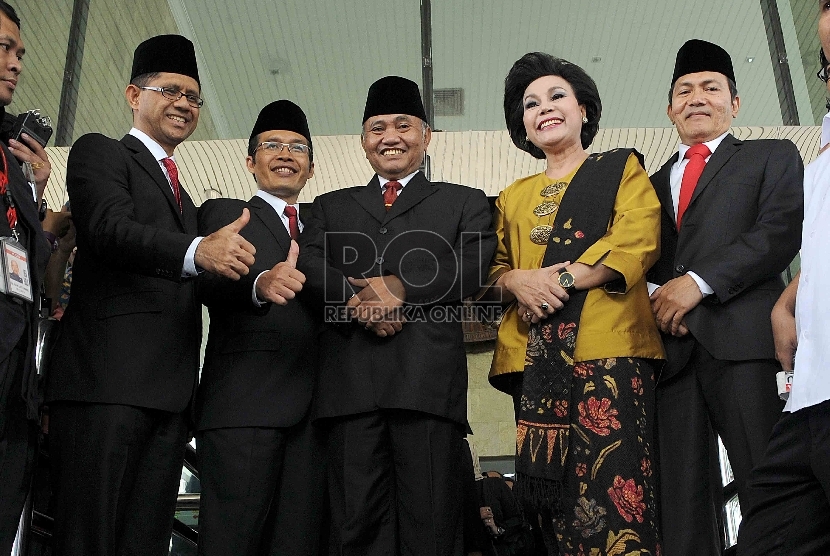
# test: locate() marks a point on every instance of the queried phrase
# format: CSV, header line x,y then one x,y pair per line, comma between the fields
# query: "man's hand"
x,y
30,151
225,252
57,223
377,305
283,281
672,301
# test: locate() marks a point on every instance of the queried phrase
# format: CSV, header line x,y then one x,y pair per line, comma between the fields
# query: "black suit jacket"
x,y
16,318
132,330
740,232
259,368
438,239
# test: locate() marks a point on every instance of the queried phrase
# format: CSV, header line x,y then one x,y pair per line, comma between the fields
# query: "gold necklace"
x,y
540,234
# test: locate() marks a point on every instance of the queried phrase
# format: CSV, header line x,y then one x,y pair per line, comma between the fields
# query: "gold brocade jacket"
x,y
612,324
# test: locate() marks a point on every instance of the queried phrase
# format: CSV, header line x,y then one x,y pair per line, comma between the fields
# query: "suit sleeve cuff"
x,y
189,269
256,301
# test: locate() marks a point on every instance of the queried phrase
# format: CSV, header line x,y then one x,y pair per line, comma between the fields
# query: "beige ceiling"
x,y
323,54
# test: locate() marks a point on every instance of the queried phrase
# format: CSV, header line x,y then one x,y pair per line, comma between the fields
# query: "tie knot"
x,y
699,149
290,211
394,185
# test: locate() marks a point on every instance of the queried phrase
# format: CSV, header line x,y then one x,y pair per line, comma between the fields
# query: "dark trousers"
x,y
18,440
116,472
791,488
739,401
395,485
263,491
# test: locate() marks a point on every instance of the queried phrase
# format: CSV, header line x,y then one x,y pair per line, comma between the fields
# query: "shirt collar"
x,y
403,181
713,145
276,203
155,149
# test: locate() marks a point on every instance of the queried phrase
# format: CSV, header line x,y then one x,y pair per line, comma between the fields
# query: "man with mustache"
x,y
260,460
732,214
120,393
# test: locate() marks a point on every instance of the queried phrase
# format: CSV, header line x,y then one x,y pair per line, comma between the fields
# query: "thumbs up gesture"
x,y
283,281
225,252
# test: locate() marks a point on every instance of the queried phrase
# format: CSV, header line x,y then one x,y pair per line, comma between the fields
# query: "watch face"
x,y
566,280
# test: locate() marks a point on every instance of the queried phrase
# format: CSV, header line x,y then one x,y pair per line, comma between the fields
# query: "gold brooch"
x,y
540,234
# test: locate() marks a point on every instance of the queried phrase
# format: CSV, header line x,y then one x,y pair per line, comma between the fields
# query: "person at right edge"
x,y
791,485
579,351
731,225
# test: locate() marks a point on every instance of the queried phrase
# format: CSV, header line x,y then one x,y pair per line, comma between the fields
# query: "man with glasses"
x,y
260,460
129,343
732,213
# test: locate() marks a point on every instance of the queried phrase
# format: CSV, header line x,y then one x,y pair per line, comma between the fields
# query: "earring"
x,y
584,120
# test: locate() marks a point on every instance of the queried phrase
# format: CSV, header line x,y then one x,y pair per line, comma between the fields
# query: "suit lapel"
x,y
145,159
269,217
727,148
661,181
371,199
415,191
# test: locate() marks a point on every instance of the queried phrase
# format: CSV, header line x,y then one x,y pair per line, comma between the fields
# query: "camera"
x,y
34,125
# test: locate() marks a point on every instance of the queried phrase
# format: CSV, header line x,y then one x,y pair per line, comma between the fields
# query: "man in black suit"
x,y
261,462
727,235
19,395
129,340
393,393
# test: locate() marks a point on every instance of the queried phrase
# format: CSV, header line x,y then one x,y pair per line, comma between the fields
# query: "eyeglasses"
x,y
823,74
277,147
173,94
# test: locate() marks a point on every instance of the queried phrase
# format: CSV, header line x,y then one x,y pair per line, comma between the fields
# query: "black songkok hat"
x,y
165,53
282,114
697,55
394,95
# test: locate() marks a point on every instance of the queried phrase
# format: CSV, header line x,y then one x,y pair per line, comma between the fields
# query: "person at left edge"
x,y
260,460
19,394
119,396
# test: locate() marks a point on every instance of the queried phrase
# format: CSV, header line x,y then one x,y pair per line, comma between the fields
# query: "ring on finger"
x,y
527,314
37,165
544,306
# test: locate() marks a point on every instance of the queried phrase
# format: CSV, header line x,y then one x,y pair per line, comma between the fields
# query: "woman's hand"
x,y
537,291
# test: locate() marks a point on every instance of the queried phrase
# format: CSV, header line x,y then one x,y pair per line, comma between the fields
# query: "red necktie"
x,y
173,172
697,161
391,193
293,223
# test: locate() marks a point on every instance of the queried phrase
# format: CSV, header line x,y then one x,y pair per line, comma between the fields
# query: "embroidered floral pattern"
x,y
560,407
637,385
589,517
583,370
645,467
598,416
581,469
628,497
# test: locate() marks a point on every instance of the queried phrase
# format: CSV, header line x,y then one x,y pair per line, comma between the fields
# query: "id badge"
x,y
784,380
14,259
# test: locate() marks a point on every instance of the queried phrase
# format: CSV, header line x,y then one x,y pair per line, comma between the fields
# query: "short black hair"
x,y
253,143
10,13
143,79
528,69
733,89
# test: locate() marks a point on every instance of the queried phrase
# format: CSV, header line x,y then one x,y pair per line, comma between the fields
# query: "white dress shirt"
x,y
189,266
675,179
811,380
403,181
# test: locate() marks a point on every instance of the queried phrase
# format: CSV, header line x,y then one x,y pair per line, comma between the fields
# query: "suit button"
x,y
379,260
680,269
383,230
